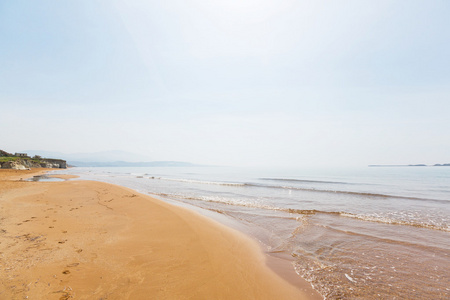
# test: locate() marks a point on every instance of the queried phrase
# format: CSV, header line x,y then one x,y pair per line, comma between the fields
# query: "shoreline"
x,y
88,239
278,262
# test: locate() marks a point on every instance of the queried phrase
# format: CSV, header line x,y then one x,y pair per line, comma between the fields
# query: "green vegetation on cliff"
x,y
2,159
17,158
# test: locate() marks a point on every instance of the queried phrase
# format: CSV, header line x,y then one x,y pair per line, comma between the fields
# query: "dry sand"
x,y
92,240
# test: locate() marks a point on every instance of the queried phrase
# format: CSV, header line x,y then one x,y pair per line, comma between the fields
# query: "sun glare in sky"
x,y
280,83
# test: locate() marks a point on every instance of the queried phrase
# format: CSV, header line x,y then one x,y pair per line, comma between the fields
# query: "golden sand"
x,y
92,240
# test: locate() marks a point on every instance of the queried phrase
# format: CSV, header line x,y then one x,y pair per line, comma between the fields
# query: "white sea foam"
x,y
201,181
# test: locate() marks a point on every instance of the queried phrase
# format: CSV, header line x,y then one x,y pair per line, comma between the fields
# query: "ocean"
x,y
362,233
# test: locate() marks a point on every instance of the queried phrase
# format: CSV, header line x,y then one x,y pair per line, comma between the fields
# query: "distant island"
x,y
416,165
21,161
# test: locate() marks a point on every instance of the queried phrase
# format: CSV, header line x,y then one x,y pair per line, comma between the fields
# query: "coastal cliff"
x,y
20,161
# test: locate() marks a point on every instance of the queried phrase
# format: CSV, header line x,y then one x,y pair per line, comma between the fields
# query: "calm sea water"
x,y
369,233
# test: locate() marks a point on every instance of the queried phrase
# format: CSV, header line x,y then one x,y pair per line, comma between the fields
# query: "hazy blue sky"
x,y
235,82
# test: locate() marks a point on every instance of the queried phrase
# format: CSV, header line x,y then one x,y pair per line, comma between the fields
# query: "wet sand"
x,y
92,240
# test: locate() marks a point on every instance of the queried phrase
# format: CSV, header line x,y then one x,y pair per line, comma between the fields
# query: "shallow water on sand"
x,y
44,178
372,233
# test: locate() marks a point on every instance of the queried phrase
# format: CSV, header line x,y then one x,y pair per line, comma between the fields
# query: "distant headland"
x,y
21,161
416,165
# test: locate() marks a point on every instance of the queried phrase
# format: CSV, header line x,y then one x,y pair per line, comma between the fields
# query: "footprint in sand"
x,y
66,296
79,250
65,272
72,265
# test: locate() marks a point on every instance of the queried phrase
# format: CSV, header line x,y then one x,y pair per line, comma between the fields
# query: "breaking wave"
x,y
314,190
200,181
303,180
362,217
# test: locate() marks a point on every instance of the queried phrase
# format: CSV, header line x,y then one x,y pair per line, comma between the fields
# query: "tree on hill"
x,y
5,154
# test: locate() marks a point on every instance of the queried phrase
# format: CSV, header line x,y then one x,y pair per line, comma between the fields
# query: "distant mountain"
x,y
113,158
103,156
133,164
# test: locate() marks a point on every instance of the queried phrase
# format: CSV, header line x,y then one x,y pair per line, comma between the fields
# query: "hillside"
x,y
21,161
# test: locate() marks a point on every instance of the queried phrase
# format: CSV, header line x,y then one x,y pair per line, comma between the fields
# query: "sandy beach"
x,y
92,240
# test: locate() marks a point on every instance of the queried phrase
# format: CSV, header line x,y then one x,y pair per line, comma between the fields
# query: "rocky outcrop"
x,y
16,165
53,163
19,164
23,164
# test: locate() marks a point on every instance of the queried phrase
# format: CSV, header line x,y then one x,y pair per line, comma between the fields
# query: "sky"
x,y
279,83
